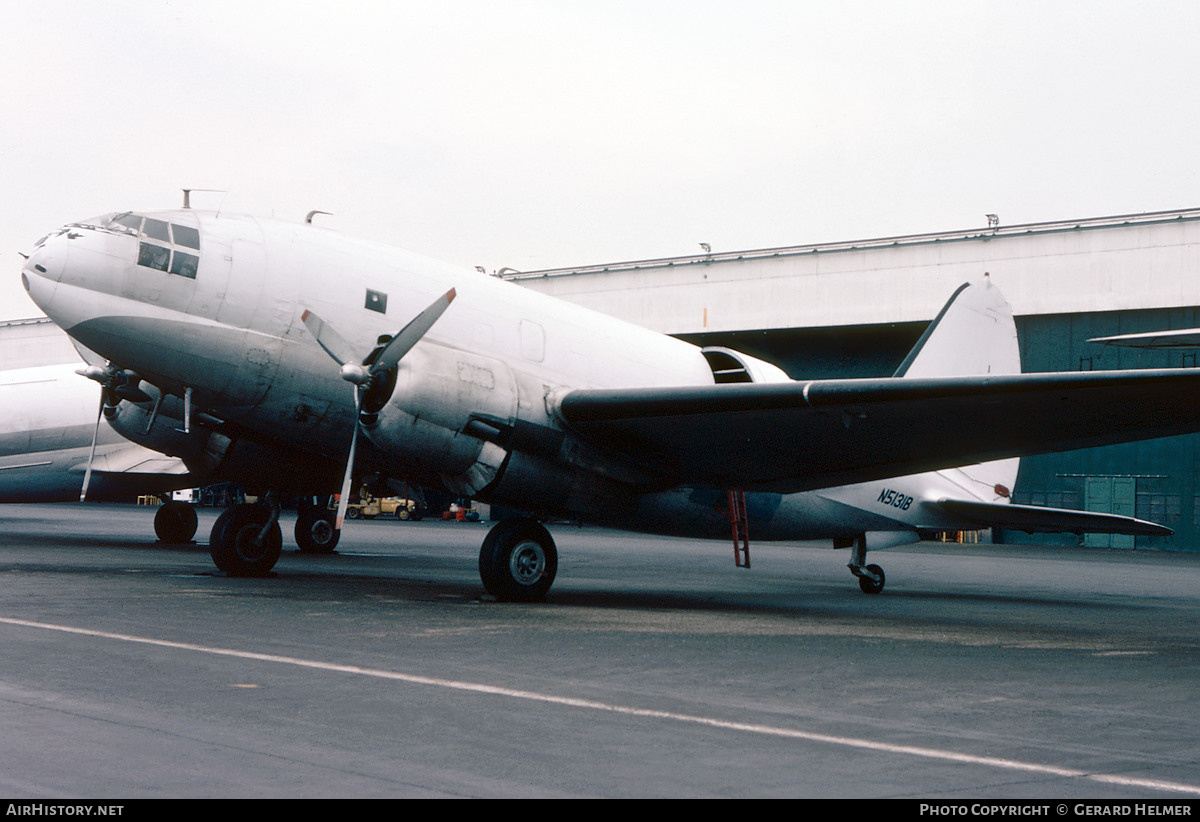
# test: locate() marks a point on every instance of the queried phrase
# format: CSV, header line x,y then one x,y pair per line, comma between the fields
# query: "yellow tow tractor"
x,y
369,507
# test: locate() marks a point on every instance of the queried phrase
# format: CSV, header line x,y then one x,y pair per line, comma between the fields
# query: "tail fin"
x,y
974,334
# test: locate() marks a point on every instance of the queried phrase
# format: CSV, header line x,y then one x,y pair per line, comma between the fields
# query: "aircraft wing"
x,y
1037,519
800,436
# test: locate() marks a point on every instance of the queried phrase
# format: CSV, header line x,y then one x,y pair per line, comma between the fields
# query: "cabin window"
x,y
533,341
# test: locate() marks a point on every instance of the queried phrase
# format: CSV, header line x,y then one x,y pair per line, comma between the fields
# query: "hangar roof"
x,y
1146,260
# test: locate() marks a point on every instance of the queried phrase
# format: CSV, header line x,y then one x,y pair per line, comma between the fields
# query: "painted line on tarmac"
x,y
627,710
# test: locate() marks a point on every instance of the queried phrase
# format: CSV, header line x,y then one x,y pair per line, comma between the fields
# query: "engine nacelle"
x,y
424,426
214,456
733,366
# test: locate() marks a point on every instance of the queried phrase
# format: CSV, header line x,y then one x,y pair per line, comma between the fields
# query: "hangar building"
x,y
854,309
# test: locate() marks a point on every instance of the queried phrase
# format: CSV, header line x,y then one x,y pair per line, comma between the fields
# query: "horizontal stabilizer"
x,y
1183,338
1037,519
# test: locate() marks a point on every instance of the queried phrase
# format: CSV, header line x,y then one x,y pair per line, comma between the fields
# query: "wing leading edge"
x,y
801,436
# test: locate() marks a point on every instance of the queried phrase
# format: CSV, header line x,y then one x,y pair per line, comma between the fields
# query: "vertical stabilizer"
x,y
974,334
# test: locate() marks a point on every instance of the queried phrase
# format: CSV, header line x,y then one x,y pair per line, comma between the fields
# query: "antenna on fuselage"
x,y
187,194
308,218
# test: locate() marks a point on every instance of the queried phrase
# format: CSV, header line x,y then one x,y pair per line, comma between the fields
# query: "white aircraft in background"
x,y
265,349
54,447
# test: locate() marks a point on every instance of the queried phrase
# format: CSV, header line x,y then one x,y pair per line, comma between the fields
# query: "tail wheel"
x,y
238,545
872,584
518,561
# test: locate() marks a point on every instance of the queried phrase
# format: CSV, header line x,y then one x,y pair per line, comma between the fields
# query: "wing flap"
x,y
789,437
1036,519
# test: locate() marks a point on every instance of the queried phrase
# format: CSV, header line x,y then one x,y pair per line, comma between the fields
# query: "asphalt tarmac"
x,y
655,668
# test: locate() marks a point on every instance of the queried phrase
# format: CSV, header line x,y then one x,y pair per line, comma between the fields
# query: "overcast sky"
x,y
542,133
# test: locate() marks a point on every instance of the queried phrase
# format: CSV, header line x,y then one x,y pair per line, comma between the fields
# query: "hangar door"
x,y
1110,495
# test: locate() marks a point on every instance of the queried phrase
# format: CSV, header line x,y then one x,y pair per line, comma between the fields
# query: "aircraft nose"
x,y
44,268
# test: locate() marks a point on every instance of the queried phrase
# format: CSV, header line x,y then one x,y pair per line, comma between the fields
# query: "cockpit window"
x,y
154,256
133,221
184,265
156,230
162,244
186,235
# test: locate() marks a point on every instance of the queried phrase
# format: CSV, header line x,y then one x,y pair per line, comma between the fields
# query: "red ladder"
x,y
740,528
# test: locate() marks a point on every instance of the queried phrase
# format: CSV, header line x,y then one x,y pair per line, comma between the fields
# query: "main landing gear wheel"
x,y
238,544
518,561
315,532
175,522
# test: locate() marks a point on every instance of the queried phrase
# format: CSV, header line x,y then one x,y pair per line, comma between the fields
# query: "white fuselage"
x,y
219,318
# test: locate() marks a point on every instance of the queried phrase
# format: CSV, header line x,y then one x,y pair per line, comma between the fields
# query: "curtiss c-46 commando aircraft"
x,y
289,358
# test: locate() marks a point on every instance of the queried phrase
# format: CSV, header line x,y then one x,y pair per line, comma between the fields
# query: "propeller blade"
x,y
87,474
403,342
335,344
343,353
344,500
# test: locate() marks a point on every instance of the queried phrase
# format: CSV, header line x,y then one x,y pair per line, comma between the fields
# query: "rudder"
x,y
974,334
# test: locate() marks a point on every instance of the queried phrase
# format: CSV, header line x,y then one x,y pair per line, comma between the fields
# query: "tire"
x,y
232,542
870,586
315,533
403,513
353,513
518,561
175,522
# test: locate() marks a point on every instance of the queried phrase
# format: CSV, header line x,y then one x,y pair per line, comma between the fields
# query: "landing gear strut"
x,y
246,540
870,577
175,522
518,561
